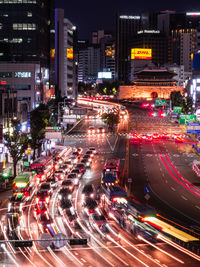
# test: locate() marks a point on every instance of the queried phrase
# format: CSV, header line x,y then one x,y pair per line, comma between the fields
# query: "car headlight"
x,y
59,197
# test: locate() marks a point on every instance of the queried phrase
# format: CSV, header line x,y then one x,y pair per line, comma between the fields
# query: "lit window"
x,y
29,14
1,26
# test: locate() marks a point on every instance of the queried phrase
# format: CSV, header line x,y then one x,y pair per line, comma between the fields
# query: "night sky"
x,y
90,15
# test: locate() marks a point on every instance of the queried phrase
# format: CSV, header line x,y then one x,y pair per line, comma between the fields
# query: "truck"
x,y
22,186
112,164
109,178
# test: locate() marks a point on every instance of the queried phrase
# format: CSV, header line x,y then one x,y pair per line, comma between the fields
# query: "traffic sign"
x,y
45,240
187,118
147,189
61,240
160,102
193,128
177,109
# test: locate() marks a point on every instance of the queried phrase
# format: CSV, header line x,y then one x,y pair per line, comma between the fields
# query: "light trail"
x,y
3,246
6,238
180,174
189,253
128,252
137,249
31,236
175,178
161,250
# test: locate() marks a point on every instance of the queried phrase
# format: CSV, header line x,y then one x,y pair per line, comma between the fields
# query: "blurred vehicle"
x,y
77,172
101,130
59,174
73,159
53,181
87,157
108,229
46,187
91,130
89,206
90,153
93,149
86,162
147,138
81,167
39,208
65,203
68,184
68,163
46,224
96,221
179,139
79,150
42,196
64,193
15,206
88,191
73,177
76,154
155,136
23,186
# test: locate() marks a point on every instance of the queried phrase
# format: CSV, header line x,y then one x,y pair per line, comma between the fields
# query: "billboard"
x,y
52,53
109,51
196,61
70,53
105,75
193,128
141,53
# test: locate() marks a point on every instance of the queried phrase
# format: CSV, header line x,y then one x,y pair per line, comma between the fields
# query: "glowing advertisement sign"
x,y
141,53
52,53
70,53
105,75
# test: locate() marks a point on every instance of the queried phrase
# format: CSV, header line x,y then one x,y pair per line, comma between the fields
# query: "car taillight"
x,y
37,200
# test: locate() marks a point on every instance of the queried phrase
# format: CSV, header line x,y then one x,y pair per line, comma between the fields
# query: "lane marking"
x,y
184,198
173,188
197,207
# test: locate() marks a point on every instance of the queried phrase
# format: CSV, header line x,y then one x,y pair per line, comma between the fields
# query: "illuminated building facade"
x,y
64,56
150,84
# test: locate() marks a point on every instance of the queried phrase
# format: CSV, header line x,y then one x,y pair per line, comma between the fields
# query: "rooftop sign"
x,y
193,14
148,31
129,17
141,53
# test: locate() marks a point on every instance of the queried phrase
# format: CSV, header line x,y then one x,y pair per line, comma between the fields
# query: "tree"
x,y
39,119
187,105
111,119
16,142
176,99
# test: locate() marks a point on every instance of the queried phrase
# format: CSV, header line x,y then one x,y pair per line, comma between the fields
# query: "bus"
x,y
110,174
23,185
43,167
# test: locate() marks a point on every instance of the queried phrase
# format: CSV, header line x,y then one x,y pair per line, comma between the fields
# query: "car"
x,y
15,206
81,167
77,171
90,153
93,149
69,184
87,157
46,187
97,220
64,193
59,174
73,177
86,162
88,191
42,196
89,206
108,229
64,204
46,224
39,208
79,150
76,154
73,159
53,181
91,130
101,130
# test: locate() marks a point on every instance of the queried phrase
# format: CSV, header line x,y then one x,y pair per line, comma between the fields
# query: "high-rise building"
x,y
89,62
100,34
25,30
64,56
126,29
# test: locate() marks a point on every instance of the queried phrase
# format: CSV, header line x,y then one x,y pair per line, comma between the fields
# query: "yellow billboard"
x,y
141,53
70,53
52,53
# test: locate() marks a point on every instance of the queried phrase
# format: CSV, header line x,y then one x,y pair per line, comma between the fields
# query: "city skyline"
x,y
90,17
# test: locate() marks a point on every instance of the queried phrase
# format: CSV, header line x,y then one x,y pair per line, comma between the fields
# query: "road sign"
x,y
177,109
45,240
160,102
147,189
129,180
147,196
193,128
187,118
61,240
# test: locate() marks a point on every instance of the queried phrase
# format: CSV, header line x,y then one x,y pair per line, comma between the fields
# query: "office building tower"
x,y
126,29
64,56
